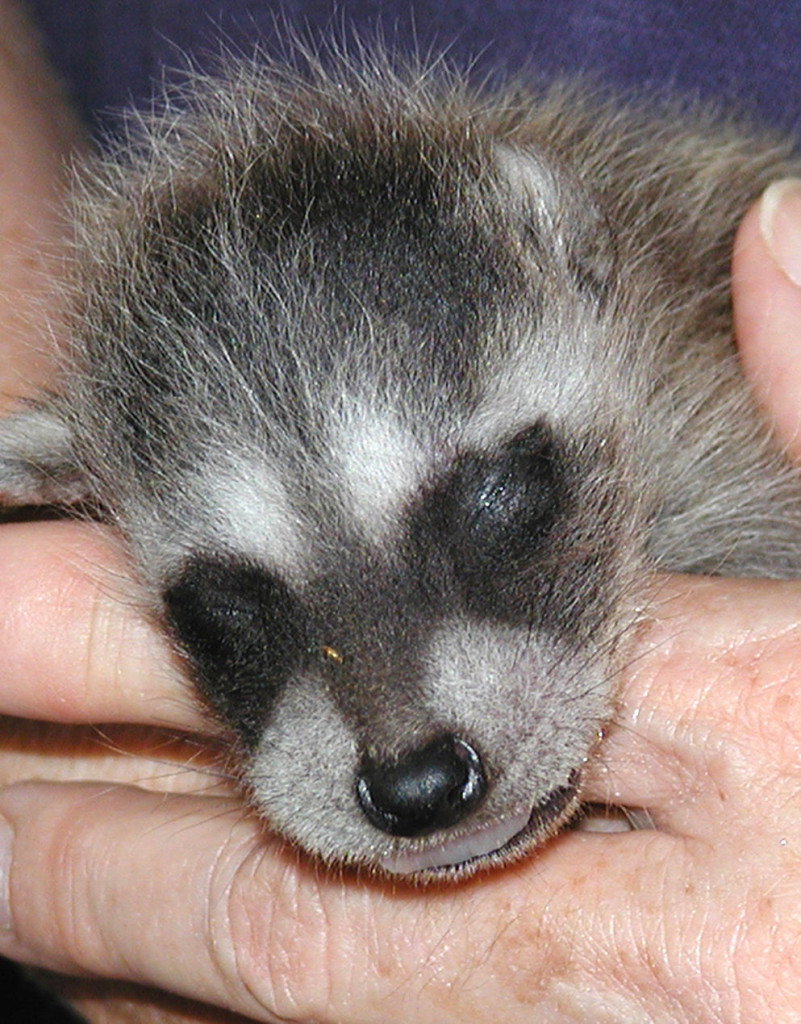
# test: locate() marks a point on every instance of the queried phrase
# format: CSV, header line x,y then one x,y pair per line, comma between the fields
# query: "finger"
x,y
38,132
74,645
151,758
238,922
589,928
87,861
766,288
709,709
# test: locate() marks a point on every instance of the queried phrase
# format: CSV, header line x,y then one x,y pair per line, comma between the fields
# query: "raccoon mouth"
x,y
494,840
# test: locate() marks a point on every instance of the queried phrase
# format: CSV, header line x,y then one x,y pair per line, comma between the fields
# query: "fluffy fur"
x,y
399,392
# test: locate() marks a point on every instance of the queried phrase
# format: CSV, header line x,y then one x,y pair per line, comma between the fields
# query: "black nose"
x,y
426,790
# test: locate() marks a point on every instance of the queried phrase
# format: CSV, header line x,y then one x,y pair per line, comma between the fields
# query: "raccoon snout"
x,y
429,789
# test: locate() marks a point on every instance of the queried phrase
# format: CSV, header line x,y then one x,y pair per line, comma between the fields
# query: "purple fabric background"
x,y
747,52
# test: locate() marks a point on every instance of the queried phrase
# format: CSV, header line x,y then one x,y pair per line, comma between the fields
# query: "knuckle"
x,y
58,870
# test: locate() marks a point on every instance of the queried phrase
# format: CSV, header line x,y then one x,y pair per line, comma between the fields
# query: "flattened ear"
x,y
576,228
37,464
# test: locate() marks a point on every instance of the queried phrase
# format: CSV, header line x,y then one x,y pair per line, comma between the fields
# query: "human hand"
x,y
693,921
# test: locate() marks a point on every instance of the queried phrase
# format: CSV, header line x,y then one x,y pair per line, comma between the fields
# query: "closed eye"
x,y
213,600
243,632
505,504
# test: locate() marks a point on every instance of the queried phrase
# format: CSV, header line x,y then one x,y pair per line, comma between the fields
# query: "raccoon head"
x,y
332,366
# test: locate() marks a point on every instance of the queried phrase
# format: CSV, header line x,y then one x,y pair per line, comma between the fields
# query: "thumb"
x,y
766,290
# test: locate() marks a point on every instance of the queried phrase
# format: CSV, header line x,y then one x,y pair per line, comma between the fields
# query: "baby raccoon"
x,y
398,393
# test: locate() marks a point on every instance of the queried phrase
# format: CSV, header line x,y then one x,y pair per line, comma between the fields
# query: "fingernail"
x,y
6,848
780,224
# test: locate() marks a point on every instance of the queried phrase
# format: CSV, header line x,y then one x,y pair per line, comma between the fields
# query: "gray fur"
x,y
312,316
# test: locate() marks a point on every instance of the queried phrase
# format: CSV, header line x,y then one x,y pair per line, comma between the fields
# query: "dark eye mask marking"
x,y
503,505
496,514
243,632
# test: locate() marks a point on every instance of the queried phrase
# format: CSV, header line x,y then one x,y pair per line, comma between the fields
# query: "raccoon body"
x,y
399,393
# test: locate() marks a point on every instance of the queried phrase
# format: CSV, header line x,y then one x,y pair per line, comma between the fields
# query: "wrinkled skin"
x,y
693,921
177,908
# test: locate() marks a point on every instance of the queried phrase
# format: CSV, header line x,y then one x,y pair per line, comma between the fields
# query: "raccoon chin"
x,y
487,845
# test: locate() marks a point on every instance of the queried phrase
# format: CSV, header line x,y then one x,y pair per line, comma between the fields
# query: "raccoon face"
x,y
418,704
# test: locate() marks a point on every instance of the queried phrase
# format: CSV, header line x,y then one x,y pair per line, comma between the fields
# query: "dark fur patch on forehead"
x,y
387,237
373,227
309,247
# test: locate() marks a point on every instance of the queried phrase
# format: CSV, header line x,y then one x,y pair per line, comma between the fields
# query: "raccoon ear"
x,y
566,217
530,181
37,463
